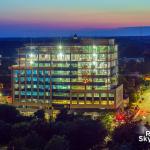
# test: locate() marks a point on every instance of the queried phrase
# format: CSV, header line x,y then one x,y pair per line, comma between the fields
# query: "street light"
x,y
31,55
60,55
94,47
60,47
94,55
31,62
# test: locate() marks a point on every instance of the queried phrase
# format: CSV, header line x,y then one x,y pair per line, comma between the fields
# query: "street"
x,y
144,112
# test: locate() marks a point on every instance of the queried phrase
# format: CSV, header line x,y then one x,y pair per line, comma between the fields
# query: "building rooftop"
x,y
75,41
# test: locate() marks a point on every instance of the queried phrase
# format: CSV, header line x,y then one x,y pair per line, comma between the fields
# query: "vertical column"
x,y
108,60
19,74
50,77
25,76
38,76
44,70
12,85
70,78
32,88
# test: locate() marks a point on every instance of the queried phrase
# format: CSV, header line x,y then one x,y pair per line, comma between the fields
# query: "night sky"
x,y
51,17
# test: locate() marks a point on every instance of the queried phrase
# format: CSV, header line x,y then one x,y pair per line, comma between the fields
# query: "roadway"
x,y
144,112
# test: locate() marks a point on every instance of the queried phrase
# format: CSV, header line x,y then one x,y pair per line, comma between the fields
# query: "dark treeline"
x,y
67,132
128,46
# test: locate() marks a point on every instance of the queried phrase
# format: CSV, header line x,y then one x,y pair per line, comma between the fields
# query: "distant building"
x,y
136,59
80,73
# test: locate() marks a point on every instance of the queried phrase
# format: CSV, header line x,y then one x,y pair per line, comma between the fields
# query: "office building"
x,y
76,73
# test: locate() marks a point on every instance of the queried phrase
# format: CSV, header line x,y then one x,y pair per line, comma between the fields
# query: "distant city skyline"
x,y
43,18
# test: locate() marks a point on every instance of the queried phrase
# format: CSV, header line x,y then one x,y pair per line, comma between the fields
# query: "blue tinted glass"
x,y
16,71
34,93
41,86
28,92
41,72
34,78
41,79
16,79
22,79
28,78
41,93
22,92
28,72
34,86
34,71
46,72
47,86
47,79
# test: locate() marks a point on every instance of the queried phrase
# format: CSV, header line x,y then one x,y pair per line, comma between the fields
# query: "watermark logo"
x,y
145,137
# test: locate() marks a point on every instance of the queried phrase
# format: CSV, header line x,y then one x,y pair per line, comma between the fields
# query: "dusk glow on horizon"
x,y
21,16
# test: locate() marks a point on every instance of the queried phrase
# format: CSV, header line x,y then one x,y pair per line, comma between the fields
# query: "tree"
x,y
30,142
64,116
42,128
57,143
126,136
5,133
84,134
40,114
17,144
9,113
20,129
108,120
33,141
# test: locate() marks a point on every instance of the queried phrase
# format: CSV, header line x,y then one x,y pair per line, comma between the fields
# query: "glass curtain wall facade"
x,y
67,74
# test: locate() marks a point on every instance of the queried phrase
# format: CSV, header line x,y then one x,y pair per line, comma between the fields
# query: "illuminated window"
x,y
22,92
74,102
34,72
41,79
103,102
41,86
41,93
28,72
81,102
16,79
34,86
31,55
22,86
96,102
22,79
89,95
41,72
29,79
111,102
22,72
88,102
16,92
28,93
34,93
28,86
47,94
47,79
46,72
16,86
47,86
34,78
96,94
16,71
